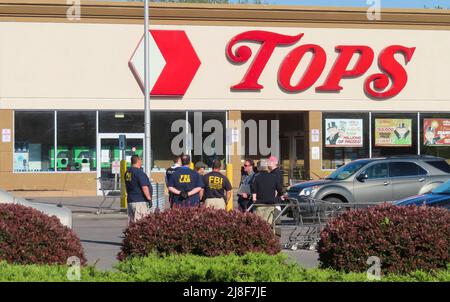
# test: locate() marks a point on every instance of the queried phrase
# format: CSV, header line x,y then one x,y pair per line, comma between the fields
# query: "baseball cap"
x,y
273,159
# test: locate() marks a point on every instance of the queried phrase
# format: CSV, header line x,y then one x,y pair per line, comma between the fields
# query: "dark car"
x,y
438,197
376,180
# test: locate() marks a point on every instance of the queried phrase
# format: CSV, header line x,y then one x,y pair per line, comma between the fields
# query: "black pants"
x,y
244,204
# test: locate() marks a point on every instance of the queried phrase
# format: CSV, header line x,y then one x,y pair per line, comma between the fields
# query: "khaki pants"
x,y
137,211
216,203
266,213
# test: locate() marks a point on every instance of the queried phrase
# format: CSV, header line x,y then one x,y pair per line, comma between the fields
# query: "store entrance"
x,y
109,156
293,142
292,157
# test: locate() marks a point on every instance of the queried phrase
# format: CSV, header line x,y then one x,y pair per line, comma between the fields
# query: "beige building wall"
x,y
84,66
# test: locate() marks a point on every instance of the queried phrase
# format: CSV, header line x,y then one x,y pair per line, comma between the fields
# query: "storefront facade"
x,y
340,86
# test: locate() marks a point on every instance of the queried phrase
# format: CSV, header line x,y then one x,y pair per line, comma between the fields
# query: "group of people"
x,y
194,188
261,184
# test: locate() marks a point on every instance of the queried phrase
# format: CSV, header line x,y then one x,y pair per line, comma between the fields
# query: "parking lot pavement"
x,y
101,235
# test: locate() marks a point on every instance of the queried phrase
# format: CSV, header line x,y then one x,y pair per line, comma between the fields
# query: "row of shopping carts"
x,y
303,220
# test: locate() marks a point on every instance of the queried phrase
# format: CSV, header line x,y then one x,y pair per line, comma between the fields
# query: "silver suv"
x,y
376,180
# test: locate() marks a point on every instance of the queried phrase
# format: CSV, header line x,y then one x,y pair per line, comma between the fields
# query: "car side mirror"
x,y
362,177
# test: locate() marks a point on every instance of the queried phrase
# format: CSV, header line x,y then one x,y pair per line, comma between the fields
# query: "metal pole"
x,y
418,134
147,142
370,134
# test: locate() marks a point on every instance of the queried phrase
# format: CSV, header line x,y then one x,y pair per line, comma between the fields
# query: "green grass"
x,y
189,268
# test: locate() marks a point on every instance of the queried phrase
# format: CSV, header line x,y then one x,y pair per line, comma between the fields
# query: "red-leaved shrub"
x,y
199,231
404,238
28,236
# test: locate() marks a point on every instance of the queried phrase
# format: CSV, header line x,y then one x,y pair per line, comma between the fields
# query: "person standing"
x,y
139,191
217,187
276,170
200,167
169,172
245,192
185,184
266,188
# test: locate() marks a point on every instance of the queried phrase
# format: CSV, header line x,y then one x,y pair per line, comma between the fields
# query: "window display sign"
x,y
6,135
115,167
315,135
393,132
20,161
436,132
343,132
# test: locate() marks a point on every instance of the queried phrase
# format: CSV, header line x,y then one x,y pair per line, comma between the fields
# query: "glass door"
x,y
109,156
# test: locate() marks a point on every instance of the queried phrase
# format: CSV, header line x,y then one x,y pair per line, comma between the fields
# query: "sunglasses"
x,y
247,165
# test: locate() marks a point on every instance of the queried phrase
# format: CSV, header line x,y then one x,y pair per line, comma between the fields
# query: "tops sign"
x,y
179,64
375,85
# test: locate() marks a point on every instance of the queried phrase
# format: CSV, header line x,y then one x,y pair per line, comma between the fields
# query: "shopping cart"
x,y
307,217
304,219
110,192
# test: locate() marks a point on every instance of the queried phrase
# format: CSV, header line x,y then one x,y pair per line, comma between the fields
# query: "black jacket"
x,y
279,175
265,186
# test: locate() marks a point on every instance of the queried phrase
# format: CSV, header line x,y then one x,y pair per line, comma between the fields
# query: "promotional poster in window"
x,y
436,132
344,133
393,132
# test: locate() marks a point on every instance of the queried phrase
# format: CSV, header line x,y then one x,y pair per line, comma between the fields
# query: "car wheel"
x,y
332,210
333,199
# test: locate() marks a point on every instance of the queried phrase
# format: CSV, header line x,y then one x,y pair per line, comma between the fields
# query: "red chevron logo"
x,y
181,63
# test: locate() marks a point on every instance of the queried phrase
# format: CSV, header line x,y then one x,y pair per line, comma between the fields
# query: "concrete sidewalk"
x,y
90,204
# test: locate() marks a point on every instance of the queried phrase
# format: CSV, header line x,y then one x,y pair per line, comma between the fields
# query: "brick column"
x,y
6,148
235,157
315,165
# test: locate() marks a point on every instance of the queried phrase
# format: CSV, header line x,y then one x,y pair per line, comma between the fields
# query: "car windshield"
x,y
348,170
442,189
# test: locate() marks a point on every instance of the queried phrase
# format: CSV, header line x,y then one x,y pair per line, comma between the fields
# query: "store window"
x,y
394,134
76,141
207,146
345,138
121,121
435,134
34,141
162,137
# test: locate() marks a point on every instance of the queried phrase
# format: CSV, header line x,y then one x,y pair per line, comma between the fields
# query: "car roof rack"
x,y
412,156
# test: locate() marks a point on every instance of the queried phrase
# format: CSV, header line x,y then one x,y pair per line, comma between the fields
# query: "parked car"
x,y
62,213
438,197
376,180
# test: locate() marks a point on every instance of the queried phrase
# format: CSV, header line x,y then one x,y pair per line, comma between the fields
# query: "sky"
x,y
384,3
